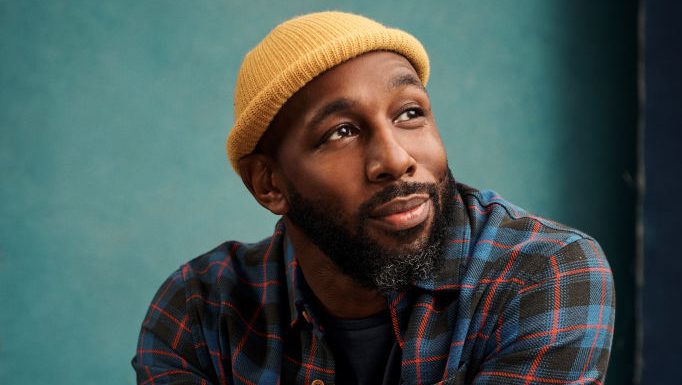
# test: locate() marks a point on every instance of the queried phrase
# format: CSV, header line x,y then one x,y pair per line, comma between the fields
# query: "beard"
x,y
364,259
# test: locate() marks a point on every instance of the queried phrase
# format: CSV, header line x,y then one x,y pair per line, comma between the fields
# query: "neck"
x,y
338,294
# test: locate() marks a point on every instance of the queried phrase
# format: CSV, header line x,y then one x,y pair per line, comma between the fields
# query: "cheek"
x,y
428,150
335,183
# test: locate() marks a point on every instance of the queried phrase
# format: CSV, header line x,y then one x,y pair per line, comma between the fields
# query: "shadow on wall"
x,y
597,107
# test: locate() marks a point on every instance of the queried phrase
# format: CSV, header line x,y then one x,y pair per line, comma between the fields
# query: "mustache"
x,y
396,190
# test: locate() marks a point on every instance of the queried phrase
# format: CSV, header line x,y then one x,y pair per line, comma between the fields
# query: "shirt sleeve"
x,y
559,327
166,351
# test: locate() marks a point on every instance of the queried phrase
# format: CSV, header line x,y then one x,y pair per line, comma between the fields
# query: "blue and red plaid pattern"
x,y
520,300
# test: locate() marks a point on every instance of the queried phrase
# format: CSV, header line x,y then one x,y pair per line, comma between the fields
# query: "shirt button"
x,y
317,382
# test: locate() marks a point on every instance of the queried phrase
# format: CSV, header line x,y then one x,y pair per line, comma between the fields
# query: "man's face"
x,y
362,160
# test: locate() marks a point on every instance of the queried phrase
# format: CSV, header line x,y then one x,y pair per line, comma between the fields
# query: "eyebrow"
x,y
405,79
330,108
343,104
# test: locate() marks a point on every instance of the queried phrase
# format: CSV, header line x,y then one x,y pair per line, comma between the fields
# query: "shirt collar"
x,y
293,277
299,294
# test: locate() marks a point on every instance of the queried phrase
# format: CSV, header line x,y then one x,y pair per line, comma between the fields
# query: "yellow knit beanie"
x,y
294,53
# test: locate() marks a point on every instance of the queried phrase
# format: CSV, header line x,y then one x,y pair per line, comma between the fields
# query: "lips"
x,y
402,213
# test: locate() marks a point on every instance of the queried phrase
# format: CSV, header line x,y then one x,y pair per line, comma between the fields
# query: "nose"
x,y
387,158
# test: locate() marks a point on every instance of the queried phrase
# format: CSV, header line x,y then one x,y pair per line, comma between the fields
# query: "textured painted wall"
x,y
112,172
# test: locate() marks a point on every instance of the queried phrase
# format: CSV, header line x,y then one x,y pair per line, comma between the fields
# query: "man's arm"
x,y
559,327
167,350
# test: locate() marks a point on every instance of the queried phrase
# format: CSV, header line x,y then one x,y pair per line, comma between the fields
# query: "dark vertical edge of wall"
x,y
609,48
641,181
662,214
604,150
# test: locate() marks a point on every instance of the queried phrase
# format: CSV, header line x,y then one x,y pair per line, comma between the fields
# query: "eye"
x,y
409,114
341,132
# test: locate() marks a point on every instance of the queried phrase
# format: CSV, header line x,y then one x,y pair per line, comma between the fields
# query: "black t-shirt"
x,y
365,350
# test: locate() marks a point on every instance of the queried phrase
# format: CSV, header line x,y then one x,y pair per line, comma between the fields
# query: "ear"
x,y
259,177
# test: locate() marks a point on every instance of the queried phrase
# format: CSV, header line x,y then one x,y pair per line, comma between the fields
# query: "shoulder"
x,y
489,210
216,273
213,275
542,289
193,305
233,272
509,241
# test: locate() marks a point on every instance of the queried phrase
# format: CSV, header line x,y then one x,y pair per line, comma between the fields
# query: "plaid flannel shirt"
x,y
520,300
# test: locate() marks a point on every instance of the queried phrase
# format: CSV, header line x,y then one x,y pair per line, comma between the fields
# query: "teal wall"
x,y
113,116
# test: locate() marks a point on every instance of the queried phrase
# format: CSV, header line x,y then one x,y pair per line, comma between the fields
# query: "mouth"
x,y
402,213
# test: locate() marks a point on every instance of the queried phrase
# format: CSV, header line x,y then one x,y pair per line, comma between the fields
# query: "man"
x,y
383,269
